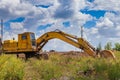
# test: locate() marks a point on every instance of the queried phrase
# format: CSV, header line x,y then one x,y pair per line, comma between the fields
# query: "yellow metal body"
x,y
10,45
24,44
73,40
28,44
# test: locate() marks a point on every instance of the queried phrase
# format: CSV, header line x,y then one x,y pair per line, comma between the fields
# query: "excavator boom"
x,y
73,40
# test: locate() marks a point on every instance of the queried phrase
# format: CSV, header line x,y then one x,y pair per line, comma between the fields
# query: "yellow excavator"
x,y
30,46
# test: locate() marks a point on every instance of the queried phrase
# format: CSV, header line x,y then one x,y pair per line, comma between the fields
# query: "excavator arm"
x,y
73,40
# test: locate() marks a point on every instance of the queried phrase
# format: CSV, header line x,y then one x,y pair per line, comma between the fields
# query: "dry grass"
x,y
72,67
11,68
60,67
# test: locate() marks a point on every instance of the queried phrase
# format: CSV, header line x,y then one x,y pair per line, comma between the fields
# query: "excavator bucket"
x,y
107,54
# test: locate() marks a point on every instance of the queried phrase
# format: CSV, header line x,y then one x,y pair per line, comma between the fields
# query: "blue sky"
x,y
99,18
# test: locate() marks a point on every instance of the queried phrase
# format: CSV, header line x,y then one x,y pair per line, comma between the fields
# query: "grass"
x,y
60,68
11,68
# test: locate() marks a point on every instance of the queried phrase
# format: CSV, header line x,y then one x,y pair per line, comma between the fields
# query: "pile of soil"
x,y
70,53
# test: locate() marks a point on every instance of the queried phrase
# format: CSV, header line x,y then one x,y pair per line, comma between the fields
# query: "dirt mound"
x,y
70,53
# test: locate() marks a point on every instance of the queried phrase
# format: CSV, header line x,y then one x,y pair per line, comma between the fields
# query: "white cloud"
x,y
94,30
14,2
39,2
105,23
16,25
118,28
111,5
13,9
108,25
107,28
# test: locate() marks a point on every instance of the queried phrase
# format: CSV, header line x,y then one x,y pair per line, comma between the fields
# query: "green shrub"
x,y
114,71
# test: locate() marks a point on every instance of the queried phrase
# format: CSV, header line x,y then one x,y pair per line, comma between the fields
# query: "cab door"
x,y
23,41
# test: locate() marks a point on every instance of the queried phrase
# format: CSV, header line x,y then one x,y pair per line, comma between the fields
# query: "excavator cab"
x,y
26,41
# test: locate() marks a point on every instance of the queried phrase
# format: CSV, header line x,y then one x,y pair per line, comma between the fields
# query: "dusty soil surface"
x,y
72,53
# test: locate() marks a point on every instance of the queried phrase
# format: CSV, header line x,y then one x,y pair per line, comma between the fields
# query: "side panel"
x,y
10,45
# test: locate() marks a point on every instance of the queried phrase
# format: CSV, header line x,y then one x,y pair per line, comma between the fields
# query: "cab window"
x,y
32,36
24,37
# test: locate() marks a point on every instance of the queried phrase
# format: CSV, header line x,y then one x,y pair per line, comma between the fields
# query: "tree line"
x,y
109,46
